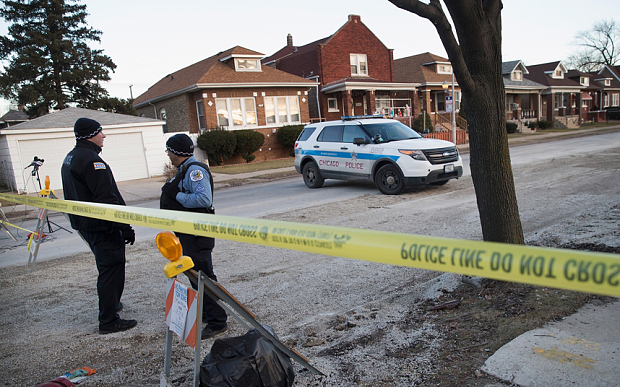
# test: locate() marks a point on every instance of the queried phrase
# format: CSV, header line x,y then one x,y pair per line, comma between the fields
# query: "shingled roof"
x,y
213,72
418,68
540,74
66,118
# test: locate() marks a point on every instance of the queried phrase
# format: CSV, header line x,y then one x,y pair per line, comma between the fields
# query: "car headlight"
x,y
415,154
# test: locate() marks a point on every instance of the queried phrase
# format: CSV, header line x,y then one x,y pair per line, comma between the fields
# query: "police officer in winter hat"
x,y
87,178
191,189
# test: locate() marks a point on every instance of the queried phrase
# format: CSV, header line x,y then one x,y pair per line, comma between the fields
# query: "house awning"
x,y
585,96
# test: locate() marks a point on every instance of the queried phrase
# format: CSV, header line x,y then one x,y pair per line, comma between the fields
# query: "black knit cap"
x,y
180,144
85,128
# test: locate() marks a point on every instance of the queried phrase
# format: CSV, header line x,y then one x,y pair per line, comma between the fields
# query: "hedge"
x,y
287,135
219,144
248,142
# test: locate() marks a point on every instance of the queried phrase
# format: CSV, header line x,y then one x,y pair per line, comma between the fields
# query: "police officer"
x,y
86,177
191,189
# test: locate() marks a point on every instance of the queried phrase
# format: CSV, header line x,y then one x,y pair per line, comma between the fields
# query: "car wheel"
x,y
389,180
312,175
439,182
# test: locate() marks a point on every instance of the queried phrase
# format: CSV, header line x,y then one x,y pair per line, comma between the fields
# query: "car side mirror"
x,y
360,141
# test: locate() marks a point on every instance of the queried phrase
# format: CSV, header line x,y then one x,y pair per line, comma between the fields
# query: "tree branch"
x,y
435,14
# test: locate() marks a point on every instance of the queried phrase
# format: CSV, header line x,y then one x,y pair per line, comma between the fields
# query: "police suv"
x,y
374,148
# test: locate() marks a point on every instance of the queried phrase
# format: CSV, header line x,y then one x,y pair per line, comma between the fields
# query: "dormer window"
x,y
359,64
607,82
444,69
517,75
558,74
244,64
585,81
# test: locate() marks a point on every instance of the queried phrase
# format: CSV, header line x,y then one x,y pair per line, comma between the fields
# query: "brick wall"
x,y
355,38
177,118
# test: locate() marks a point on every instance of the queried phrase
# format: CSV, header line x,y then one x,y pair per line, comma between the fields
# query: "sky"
x,y
148,39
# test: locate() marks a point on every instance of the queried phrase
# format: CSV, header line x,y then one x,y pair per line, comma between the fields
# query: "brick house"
x,y
561,97
433,73
522,95
230,90
608,78
354,70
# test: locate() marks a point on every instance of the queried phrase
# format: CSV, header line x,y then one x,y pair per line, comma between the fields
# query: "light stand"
x,y
36,163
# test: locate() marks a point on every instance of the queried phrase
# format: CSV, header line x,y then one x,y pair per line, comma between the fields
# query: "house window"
x,y
444,69
282,110
162,116
441,102
236,112
605,100
557,101
517,75
615,100
585,81
247,65
200,111
607,82
559,74
332,104
457,101
359,64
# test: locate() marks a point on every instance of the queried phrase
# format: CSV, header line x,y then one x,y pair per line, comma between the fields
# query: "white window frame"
x,y
354,60
244,111
607,82
335,101
605,100
517,75
558,101
585,81
444,69
615,99
200,108
240,67
288,113
558,74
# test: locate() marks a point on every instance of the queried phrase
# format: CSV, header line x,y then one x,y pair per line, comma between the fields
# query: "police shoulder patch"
x,y
196,175
99,165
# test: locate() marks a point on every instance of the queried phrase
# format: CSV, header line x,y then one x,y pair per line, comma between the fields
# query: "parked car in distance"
x,y
373,148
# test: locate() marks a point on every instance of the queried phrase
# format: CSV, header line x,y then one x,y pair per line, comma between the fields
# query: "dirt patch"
x,y
488,318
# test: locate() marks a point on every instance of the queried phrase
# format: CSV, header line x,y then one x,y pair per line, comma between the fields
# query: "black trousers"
x,y
109,250
199,249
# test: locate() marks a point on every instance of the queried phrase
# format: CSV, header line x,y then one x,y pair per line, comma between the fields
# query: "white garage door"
x,y
124,152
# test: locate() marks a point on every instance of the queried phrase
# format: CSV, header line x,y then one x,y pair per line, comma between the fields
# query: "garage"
x,y
133,147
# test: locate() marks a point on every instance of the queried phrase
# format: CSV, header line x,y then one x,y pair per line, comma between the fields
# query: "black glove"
x,y
129,235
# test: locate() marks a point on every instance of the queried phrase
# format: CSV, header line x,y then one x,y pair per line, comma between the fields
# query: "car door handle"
x,y
316,146
344,148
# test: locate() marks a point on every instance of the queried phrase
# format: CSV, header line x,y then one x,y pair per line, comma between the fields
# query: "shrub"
x,y
542,124
219,145
248,142
511,127
417,124
613,113
287,135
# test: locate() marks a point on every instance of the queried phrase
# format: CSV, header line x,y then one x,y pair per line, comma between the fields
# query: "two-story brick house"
x,y
354,70
230,90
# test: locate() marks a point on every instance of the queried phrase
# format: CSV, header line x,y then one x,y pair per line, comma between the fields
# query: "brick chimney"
x,y
289,40
355,18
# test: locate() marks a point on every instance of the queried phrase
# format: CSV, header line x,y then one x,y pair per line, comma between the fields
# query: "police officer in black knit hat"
x,y
191,189
87,178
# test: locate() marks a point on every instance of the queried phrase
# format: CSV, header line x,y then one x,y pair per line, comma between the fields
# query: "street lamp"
x,y
444,85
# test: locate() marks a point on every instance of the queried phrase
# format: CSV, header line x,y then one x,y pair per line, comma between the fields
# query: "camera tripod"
x,y
35,173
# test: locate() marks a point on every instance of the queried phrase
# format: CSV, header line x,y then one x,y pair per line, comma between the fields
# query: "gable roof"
x,y
66,119
523,84
293,51
419,69
576,75
540,74
216,72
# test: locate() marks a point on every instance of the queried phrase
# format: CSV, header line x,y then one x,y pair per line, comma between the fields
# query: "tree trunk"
x,y
477,64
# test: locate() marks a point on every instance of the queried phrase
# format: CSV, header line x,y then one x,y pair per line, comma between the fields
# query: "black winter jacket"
x,y
87,178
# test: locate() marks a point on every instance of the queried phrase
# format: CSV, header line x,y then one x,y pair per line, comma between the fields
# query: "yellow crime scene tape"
x,y
589,272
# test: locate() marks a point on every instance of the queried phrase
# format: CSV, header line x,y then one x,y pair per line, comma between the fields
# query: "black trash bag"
x,y
246,361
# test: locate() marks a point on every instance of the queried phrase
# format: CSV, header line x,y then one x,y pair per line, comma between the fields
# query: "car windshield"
x,y
391,131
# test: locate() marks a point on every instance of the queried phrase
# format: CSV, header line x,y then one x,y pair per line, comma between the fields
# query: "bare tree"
x,y
598,47
477,64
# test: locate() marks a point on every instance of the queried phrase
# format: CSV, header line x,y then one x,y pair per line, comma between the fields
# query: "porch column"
x,y
347,103
370,99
